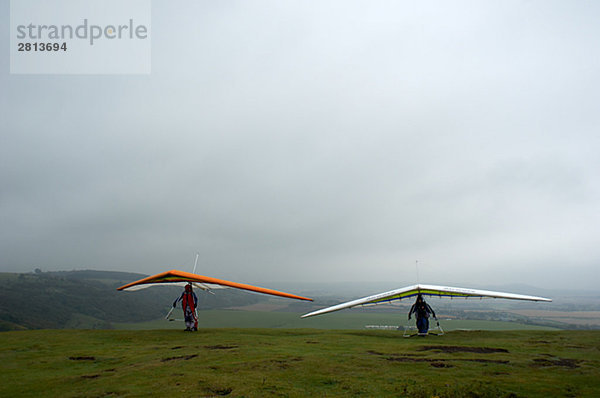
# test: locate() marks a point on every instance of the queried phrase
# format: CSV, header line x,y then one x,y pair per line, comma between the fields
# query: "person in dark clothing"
x,y
421,310
189,301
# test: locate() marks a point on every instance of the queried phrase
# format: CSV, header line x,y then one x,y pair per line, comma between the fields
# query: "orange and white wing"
x,y
175,277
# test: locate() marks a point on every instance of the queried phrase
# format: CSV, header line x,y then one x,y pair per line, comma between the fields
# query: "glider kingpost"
x,y
175,277
424,290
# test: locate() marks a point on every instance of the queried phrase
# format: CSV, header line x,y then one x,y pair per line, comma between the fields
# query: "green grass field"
x,y
298,363
338,320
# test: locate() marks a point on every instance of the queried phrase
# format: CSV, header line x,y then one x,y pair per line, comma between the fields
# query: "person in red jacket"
x,y
189,301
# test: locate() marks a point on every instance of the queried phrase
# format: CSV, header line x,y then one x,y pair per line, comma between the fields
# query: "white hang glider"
x,y
424,290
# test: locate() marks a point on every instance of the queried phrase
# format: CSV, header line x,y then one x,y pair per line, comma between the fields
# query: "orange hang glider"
x,y
203,282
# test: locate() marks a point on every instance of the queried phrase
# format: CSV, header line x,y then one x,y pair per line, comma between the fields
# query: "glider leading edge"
x,y
423,290
203,282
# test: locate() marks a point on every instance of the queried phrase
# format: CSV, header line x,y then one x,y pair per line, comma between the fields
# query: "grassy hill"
x,y
298,363
89,299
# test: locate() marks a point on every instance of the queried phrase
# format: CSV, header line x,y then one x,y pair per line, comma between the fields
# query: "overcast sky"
x,y
318,141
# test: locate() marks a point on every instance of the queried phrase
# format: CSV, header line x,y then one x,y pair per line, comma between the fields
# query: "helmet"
x,y
188,287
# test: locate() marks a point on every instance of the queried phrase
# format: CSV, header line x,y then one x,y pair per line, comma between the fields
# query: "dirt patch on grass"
x,y
485,360
408,357
220,347
90,376
496,373
274,364
442,360
184,357
219,390
448,349
82,358
177,347
441,365
407,354
563,362
284,363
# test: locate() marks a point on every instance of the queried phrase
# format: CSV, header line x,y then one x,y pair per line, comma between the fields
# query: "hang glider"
x,y
175,277
425,290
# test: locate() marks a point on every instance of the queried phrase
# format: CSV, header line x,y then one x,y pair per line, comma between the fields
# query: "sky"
x,y
325,141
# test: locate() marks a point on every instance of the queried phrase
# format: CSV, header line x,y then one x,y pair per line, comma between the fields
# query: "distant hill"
x,y
89,299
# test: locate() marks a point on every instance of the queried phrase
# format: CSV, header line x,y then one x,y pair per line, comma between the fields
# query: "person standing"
x,y
189,301
421,310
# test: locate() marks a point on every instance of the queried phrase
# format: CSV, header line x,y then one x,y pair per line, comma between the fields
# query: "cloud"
x,y
303,142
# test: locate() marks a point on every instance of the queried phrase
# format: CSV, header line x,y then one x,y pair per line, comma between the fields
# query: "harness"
x,y
188,301
422,310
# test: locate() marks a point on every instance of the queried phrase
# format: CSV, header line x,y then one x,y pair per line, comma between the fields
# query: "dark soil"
x,y
441,365
564,362
448,349
184,357
441,360
220,391
220,347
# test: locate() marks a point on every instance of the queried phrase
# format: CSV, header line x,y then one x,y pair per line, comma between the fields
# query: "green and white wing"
x,y
425,290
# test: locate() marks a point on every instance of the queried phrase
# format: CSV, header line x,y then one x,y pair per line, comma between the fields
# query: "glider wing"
x,y
204,282
425,290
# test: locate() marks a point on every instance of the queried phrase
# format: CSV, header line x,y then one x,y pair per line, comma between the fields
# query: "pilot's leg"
x,y
189,320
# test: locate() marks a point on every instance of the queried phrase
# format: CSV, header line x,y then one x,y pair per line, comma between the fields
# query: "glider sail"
x,y
425,290
203,282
